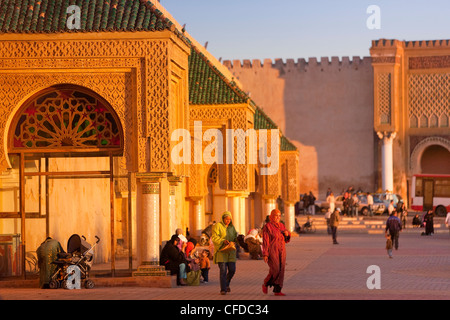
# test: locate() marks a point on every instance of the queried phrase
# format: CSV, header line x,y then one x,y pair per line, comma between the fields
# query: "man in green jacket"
x,y
223,233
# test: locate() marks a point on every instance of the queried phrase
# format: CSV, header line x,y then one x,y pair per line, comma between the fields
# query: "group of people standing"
x,y
309,203
350,204
224,238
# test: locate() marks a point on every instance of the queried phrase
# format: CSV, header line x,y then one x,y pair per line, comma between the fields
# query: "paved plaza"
x,y
316,270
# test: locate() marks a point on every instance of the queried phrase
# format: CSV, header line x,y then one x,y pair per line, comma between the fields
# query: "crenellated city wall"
x,y
325,107
312,64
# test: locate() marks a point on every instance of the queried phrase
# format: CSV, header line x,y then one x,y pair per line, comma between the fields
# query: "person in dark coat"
x,y
275,236
429,223
46,254
394,227
174,260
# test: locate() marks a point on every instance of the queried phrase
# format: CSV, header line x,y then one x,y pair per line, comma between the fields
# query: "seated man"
x,y
254,241
174,260
417,223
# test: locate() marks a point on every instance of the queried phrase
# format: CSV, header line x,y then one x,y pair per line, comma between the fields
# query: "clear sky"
x,y
260,29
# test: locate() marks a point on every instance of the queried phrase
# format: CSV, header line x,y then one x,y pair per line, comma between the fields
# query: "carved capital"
x,y
385,135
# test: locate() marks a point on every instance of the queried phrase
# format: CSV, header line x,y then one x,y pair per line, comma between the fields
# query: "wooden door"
x,y
428,191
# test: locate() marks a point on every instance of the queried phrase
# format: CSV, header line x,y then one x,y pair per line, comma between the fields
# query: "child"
x,y
205,265
389,245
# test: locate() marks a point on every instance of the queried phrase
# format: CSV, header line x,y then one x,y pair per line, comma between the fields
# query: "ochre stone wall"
x,y
326,109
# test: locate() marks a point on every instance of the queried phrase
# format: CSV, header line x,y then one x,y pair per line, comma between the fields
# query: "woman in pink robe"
x,y
275,236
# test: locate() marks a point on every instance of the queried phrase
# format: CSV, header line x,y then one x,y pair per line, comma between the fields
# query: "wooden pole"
x,y
22,212
111,188
130,230
47,201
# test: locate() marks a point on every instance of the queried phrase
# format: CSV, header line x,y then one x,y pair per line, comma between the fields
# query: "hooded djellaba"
x,y
275,236
222,234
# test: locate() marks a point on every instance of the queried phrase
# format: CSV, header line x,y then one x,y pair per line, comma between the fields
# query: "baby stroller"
x,y
206,235
79,254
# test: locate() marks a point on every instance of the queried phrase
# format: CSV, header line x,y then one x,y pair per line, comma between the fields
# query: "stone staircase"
x,y
158,275
368,225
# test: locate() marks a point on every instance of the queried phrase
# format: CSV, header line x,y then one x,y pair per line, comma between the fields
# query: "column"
x,y
199,217
172,208
289,216
150,222
175,211
269,204
387,162
236,205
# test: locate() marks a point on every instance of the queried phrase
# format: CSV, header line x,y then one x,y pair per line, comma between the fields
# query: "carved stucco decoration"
x,y
384,98
429,100
289,174
145,85
237,178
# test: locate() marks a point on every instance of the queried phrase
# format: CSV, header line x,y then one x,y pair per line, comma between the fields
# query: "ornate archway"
x,y
416,155
66,118
66,121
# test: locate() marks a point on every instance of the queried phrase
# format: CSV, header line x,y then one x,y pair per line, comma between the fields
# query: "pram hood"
x,y
76,243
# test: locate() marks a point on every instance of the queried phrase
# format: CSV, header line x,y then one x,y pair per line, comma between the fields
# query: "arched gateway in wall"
x,y
420,150
63,141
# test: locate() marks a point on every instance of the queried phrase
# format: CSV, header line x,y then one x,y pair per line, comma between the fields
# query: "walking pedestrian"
x,y
402,213
355,205
275,236
334,223
389,245
429,223
331,201
447,221
349,205
224,234
394,227
370,204
391,207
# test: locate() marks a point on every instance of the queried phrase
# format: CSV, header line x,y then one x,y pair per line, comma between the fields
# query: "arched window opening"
x,y
66,119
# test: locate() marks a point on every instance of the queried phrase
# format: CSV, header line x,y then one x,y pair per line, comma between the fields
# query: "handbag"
x,y
229,247
193,278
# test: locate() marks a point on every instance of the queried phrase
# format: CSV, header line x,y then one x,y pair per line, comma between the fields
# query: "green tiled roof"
x,y
262,121
207,85
286,145
50,16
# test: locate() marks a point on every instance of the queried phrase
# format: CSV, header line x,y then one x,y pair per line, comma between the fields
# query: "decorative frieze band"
x,y
431,62
150,188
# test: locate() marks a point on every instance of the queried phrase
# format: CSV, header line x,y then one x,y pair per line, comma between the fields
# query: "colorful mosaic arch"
x,y
66,118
